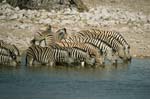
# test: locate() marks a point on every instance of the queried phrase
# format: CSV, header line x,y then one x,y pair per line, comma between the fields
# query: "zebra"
x,y
76,55
50,37
61,55
7,57
80,56
12,48
92,50
105,50
110,37
5,52
39,54
42,34
46,55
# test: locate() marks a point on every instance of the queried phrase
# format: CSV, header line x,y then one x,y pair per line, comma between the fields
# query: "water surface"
x,y
125,81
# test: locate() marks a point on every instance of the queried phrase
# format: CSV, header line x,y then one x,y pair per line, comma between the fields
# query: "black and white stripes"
x,y
49,37
105,50
9,54
91,47
39,54
112,38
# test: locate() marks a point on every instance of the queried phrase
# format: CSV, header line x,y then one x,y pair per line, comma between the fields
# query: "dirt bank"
x,y
19,26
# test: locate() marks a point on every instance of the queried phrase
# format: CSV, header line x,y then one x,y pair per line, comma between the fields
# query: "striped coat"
x,y
105,50
115,39
92,50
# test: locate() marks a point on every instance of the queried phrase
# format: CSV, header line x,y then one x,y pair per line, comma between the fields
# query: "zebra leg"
x,y
29,60
51,63
112,56
127,53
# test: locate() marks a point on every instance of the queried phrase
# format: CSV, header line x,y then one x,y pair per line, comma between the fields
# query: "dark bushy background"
x,y
48,4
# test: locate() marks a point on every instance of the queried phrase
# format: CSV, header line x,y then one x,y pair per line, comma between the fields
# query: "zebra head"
x,y
127,53
90,60
61,34
16,50
14,59
17,54
111,56
49,29
124,54
121,53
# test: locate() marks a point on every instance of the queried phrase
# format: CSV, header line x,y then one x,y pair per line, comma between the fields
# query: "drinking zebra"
x,y
92,50
8,60
7,57
106,51
110,37
80,56
12,48
46,55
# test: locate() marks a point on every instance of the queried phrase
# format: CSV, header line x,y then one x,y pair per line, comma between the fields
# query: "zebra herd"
x,y
91,47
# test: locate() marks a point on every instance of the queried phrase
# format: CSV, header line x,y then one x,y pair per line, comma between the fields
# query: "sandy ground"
x,y
134,25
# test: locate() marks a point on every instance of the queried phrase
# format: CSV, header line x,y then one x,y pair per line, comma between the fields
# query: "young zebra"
x,y
105,50
92,50
50,37
41,35
46,55
110,37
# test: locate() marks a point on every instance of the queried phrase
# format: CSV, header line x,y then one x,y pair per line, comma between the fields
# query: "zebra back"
x,y
114,39
61,54
81,56
51,37
104,48
103,34
92,50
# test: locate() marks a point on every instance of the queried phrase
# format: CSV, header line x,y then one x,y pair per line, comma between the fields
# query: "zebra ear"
x,y
49,29
33,41
61,31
